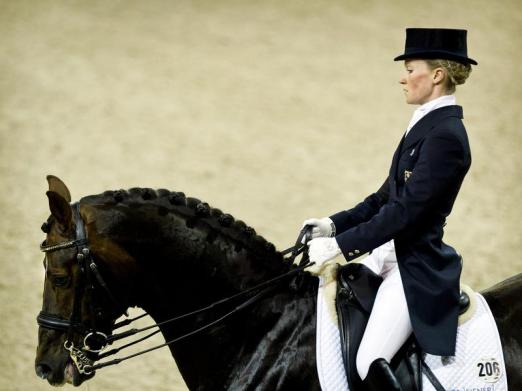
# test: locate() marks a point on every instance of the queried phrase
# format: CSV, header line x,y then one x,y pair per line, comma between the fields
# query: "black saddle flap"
x,y
356,290
362,282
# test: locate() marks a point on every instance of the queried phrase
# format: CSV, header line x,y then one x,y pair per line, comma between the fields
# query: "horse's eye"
x,y
60,281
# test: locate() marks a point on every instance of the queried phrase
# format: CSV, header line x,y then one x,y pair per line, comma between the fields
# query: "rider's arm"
x,y
363,211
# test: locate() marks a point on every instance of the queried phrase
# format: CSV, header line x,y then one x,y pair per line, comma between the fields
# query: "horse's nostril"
x,y
43,370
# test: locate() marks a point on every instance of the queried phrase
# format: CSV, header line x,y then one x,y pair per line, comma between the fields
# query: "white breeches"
x,y
389,325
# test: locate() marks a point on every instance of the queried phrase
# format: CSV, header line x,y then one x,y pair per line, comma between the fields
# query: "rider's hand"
x,y
321,228
323,250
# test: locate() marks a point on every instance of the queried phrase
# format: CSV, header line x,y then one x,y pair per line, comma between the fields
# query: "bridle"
x,y
95,341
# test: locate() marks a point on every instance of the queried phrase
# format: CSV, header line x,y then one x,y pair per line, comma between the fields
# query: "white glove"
x,y
323,250
322,228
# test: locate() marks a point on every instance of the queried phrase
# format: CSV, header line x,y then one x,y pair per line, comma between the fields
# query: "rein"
x,y
91,336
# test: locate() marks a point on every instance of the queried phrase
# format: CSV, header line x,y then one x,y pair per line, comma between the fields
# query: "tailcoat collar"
x,y
426,123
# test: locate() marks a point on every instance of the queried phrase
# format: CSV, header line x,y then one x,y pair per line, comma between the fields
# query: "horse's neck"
x,y
195,267
239,351
180,263
204,274
173,258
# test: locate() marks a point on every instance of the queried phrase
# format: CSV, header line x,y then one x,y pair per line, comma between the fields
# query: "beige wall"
x,y
273,112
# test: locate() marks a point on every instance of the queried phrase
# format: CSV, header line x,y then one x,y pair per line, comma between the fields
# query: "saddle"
x,y
356,290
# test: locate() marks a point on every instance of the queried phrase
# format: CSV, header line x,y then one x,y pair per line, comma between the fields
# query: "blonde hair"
x,y
456,72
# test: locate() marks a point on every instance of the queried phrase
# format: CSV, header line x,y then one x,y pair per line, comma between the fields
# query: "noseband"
x,y
94,341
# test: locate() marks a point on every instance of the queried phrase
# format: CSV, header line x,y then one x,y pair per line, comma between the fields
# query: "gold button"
x,y
357,251
350,254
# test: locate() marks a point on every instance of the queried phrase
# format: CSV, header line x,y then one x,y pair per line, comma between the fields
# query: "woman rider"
x,y
402,223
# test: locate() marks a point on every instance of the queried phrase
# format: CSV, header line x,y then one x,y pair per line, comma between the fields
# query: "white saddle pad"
x,y
478,363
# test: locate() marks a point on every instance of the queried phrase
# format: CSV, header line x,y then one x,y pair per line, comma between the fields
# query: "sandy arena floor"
x,y
273,111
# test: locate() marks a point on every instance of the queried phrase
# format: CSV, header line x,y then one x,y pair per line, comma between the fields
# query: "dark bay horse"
x,y
170,255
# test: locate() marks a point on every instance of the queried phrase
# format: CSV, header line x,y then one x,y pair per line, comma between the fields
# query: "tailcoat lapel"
x,y
395,160
420,130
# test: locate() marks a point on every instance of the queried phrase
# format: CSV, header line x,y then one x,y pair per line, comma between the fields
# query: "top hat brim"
x,y
435,54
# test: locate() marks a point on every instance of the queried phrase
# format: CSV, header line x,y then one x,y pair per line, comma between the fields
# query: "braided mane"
x,y
193,210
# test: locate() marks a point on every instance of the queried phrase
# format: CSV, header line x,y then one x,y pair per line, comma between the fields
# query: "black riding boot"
x,y
381,377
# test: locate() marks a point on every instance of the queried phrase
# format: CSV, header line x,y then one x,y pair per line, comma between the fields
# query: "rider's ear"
x,y
60,208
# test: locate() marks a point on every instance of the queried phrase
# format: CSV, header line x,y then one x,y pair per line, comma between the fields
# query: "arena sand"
x,y
272,111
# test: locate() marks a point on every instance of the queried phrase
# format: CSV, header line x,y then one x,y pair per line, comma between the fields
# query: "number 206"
x,y
488,369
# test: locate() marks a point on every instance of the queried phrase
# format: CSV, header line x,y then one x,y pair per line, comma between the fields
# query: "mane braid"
x,y
192,209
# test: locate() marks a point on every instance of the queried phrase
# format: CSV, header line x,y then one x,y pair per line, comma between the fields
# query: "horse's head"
x,y
75,315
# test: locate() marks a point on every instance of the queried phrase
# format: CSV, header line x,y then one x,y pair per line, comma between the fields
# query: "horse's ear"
x,y
60,208
56,185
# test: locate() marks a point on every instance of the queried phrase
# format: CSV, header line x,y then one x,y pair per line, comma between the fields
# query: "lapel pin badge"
x,y
407,175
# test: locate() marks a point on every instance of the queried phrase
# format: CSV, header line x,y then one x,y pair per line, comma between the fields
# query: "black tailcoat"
x,y
411,207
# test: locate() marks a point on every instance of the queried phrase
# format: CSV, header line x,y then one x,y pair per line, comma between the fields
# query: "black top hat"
x,y
446,44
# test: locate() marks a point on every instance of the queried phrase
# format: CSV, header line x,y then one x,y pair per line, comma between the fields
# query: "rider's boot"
x,y
381,377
